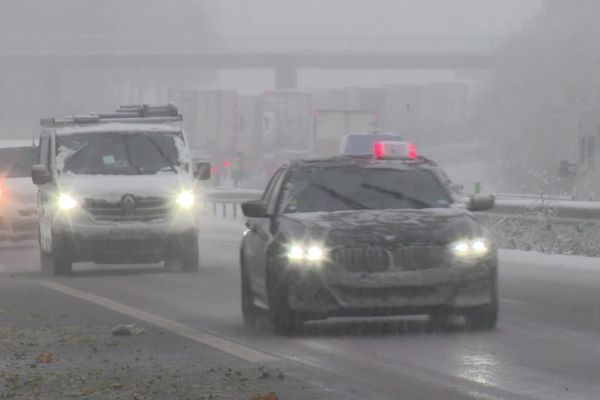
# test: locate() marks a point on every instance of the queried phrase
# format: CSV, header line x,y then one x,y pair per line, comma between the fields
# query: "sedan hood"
x,y
381,227
112,188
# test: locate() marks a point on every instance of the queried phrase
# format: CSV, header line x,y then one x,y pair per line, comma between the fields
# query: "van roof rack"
x,y
132,113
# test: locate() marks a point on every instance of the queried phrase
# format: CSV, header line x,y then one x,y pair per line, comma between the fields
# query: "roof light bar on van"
x,y
149,110
394,150
136,113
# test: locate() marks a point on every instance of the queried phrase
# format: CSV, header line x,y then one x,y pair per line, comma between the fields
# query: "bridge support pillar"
x,y
286,77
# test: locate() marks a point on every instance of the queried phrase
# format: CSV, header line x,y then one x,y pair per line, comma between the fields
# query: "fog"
x,y
547,74
379,17
307,199
500,106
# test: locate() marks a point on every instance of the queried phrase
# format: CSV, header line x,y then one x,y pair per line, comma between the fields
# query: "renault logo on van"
x,y
128,204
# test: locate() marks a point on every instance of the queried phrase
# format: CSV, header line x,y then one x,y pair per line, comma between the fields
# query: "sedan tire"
x,y
249,310
482,318
285,321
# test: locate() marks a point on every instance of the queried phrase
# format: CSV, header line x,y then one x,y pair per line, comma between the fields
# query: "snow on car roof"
x,y
367,161
116,127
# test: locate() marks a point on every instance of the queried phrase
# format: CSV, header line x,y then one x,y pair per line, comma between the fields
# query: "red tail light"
x,y
378,150
412,151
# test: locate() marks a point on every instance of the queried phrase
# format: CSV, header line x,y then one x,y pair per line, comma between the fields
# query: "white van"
x,y
117,188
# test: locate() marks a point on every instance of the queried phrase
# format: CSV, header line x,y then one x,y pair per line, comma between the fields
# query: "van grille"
x,y
145,209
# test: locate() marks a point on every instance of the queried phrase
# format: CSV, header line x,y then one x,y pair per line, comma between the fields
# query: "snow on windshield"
x,y
115,153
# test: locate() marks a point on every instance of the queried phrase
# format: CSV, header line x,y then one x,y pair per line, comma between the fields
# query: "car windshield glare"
x,y
354,188
16,162
140,153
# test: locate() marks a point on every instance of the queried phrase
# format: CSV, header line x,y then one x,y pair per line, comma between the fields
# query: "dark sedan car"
x,y
359,236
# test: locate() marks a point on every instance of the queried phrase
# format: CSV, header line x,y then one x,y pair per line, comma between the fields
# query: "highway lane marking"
x,y
235,349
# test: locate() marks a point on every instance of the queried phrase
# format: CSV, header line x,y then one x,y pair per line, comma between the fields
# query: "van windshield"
x,y
115,153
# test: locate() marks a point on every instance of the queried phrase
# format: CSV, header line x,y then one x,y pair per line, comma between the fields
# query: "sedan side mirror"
x,y
255,209
40,174
481,202
202,171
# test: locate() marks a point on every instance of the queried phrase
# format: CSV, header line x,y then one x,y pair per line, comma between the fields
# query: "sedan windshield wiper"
x,y
397,195
348,201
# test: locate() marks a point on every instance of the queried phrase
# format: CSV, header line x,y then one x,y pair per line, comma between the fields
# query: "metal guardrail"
x,y
226,203
558,211
521,196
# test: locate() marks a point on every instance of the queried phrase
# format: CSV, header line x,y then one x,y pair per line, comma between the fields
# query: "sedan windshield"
x,y
353,188
117,153
16,162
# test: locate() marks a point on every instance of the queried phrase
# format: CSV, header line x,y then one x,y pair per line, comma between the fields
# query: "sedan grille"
x,y
144,209
414,258
362,259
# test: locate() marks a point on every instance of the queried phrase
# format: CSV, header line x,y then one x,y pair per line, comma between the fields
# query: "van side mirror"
x,y
566,169
481,202
255,209
40,174
202,171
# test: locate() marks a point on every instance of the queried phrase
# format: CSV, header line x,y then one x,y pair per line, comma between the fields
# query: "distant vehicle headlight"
x,y
469,248
311,253
185,199
296,253
66,202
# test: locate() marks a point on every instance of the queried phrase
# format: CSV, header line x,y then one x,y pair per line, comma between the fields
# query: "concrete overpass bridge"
x,y
285,55
51,74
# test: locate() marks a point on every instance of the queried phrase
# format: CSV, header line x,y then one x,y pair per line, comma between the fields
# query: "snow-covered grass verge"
x,y
543,234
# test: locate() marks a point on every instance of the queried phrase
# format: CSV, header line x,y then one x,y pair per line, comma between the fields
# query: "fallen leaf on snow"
x,y
45,358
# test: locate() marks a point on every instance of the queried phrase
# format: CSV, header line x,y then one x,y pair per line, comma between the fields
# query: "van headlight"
x,y
185,199
471,247
66,202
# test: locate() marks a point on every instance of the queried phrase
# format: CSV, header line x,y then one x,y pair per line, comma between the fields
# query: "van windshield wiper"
x,y
162,154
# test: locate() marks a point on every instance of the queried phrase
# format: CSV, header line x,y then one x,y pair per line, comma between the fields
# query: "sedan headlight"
x,y
66,202
312,253
185,199
295,253
472,247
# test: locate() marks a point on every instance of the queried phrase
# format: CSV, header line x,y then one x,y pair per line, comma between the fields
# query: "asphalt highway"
x,y
546,346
